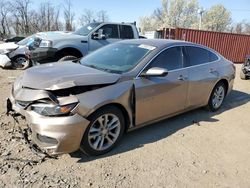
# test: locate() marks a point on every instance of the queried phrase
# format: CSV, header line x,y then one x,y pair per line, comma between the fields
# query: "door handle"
x,y
212,70
182,78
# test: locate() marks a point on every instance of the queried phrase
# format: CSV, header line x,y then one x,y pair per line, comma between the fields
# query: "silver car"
x,y
89,104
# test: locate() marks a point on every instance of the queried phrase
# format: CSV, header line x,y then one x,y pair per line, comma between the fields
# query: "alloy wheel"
x,y
218,96
21,63
104,132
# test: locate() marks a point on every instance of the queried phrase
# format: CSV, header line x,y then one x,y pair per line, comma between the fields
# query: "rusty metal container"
x,y
234,47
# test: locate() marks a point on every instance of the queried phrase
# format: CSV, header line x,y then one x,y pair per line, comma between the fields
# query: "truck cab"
x,y
62,46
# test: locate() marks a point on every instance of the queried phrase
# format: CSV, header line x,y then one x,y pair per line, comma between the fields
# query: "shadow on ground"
x,y
157,131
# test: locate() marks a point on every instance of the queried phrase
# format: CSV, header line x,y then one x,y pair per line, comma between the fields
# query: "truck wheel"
x,y
20,63
242,75
67,58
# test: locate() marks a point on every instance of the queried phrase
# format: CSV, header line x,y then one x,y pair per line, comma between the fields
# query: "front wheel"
x,y
217,97
21,63
106,128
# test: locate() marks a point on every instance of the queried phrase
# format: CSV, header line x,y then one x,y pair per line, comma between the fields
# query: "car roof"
x,y
159,43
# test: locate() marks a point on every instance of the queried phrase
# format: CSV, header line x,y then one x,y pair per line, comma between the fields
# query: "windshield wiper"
x,y
102,69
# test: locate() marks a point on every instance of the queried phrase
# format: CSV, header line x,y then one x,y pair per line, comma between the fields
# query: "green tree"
x,y
217,18
173,13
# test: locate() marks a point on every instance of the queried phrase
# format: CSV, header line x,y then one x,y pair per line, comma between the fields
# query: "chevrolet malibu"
x,y
89,104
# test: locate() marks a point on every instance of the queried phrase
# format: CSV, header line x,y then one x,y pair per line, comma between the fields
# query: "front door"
x,y
157,97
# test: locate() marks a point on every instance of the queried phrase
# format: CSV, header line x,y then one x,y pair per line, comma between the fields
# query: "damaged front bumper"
x,y
54,135
5,61
42,55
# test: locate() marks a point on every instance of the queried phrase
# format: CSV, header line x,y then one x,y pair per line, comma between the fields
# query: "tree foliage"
x,y
68,15
18,17
184,14
89,16
173,13
217,18
5,11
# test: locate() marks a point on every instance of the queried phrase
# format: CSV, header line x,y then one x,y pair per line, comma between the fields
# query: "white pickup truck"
x,y
59,46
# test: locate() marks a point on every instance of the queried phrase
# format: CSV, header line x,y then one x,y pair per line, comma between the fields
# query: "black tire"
x,y
211,106
85,143
242,75
20,63
67,58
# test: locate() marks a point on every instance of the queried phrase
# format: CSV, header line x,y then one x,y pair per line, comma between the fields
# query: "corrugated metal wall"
x,y
234,47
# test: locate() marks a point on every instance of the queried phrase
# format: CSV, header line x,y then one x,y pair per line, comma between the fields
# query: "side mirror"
x,y
155,72
99,35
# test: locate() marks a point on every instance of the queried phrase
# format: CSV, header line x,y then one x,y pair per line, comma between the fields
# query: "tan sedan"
x,y
89,104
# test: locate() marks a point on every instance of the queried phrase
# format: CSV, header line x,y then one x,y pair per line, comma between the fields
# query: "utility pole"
x,y
200,12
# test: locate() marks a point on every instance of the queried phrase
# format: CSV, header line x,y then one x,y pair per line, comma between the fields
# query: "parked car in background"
x,y
120,87
69,46
14,39
245,70
13,55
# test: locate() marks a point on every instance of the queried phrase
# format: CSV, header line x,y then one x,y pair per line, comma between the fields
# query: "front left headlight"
x,y
53,110
45,44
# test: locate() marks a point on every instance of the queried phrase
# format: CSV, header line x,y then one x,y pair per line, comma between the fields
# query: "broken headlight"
x,y
53,110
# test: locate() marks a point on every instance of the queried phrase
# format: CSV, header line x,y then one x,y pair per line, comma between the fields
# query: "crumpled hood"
x,y
8,46
55,36
56,76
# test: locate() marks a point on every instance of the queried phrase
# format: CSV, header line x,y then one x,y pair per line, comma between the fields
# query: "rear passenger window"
x,y
169,59
110,30
126,32
197,55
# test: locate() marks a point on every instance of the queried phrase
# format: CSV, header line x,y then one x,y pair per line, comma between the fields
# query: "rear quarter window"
x,y
126,32
212,56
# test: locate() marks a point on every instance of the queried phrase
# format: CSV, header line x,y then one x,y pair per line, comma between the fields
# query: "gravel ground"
x,y
195,149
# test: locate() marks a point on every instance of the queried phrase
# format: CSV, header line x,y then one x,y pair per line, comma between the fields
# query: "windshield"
x,y
118,57
25,41
85,30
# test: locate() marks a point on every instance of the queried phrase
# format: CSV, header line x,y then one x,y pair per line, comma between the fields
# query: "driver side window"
x,y
169,59
110,31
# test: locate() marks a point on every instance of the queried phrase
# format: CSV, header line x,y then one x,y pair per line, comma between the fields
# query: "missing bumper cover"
x,y
33,147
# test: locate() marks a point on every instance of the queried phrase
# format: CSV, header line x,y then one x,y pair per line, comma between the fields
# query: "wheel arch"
x,y
18,55
68,51
120,107
225,82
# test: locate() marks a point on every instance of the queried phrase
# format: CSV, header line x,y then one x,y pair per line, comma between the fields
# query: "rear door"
x,y
157,97
202,73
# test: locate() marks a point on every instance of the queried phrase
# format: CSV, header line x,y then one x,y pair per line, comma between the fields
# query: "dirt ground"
x,y
196,149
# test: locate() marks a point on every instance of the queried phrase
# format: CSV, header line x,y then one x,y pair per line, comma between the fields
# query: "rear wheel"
x,y
106,128
20,62
217,97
